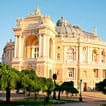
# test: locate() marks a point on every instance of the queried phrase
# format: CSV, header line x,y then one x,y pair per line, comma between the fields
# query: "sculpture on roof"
x,y
37,11
94,31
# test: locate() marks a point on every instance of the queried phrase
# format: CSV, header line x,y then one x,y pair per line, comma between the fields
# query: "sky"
x,y
86,13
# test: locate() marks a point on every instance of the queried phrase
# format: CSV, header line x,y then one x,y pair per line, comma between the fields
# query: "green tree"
x,y
38,85
48,87
101,86
27,80
18,82
66,86
8,78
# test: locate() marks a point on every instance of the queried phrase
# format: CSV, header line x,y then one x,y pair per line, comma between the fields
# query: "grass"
x,y
38,102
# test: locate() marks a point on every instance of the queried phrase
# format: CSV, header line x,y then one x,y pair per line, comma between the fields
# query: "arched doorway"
x,y
31,49
84,86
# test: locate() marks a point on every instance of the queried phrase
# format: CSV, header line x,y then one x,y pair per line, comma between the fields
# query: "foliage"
x,y
27,81
48,87
101,86
9,77
66,86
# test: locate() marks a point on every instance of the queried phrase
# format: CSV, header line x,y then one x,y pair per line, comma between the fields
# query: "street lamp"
x,y
54,78
80,94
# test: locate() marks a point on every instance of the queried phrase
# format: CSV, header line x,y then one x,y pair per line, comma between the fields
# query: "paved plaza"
x,y
89,99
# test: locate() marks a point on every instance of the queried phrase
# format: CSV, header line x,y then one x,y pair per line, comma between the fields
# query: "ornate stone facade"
x,y
8,53
60,48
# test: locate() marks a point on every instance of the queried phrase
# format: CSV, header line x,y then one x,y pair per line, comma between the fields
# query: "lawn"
x,y
38,102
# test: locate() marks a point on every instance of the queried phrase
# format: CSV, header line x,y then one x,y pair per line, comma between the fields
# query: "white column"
x,y
47,48
99,56
32,51
44,46
89,55
16,47
54,50
20,46
40,46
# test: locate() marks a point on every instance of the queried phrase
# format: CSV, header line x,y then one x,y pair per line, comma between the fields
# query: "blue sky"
x,y
86,13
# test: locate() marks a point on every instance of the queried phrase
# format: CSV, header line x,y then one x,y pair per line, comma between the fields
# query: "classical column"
x,y
32,51
54,49
40,45
89,55
20,46
44,46
16,46
47,48
99,56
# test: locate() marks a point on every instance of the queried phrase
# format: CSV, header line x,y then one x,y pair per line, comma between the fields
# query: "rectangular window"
x,y
104,74
36,52
96,73
71,73
58,56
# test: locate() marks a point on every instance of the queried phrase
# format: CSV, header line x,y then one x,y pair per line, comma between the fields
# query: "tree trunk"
x,y
29,93
48,96
54,92
36,95
7,95
59,95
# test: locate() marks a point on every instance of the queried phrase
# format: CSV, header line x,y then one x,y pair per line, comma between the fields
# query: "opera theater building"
x,y
58,48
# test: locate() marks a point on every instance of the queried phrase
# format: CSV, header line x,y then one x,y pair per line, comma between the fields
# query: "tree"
x,y
27,80
101,86
38,85
66,86
8,76
48,87
18,82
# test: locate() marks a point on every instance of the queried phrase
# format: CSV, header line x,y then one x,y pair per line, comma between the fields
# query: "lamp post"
x,y
54,78
80,94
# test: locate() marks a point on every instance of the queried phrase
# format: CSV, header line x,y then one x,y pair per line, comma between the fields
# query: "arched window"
x,y
31,48
50,48
103,56
58,53
84,58
70,54
94,56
